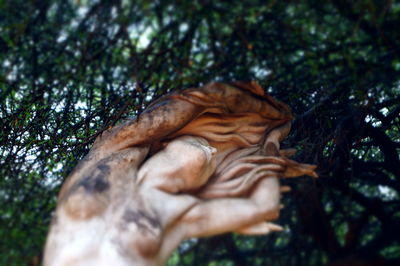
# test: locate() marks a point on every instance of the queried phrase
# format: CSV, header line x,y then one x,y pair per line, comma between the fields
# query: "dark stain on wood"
x,y
143,220
271,149
96,183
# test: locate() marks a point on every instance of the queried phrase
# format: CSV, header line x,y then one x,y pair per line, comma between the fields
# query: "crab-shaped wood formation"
x,y
197,162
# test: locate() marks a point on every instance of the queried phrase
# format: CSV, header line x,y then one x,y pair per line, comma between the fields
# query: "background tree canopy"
x,y
70,69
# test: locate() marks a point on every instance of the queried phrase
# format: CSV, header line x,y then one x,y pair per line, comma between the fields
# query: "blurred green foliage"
x,y
70,69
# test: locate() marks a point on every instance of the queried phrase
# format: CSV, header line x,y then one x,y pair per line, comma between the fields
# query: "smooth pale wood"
x,y
197,162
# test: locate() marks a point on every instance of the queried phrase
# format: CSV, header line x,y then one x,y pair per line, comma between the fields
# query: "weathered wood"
x,y
195,163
